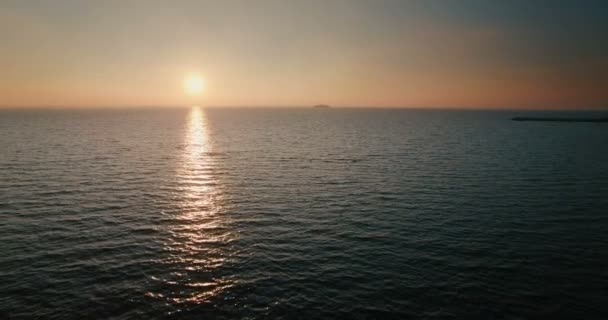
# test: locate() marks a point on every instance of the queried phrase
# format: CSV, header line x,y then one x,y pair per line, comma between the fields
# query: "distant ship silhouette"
x,y
321,106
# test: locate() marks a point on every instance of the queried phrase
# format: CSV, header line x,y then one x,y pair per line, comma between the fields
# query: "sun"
x,y
194,84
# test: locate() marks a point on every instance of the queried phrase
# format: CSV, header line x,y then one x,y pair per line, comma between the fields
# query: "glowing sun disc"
x,y
194,85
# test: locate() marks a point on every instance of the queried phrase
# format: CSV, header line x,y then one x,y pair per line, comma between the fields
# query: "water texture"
x,y
301,214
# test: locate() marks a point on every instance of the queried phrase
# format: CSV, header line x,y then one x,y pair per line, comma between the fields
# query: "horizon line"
x,y
180,106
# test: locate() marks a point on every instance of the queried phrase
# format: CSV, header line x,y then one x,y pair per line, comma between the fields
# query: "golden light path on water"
x,y
199,235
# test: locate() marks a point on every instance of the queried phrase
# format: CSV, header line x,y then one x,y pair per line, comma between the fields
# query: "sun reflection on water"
x,y
199,236
199,186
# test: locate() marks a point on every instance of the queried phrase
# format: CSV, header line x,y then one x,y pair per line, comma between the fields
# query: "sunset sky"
x,y
479,54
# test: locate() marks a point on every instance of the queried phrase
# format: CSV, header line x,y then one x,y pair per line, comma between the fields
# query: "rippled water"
x,y
304,214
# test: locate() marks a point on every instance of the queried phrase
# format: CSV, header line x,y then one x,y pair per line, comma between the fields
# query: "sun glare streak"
x,y
201,198
200,237
197,140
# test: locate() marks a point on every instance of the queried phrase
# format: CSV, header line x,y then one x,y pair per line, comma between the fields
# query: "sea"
x,y
301,213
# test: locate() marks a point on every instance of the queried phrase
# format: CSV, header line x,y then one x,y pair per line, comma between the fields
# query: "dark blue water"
x,y
301,214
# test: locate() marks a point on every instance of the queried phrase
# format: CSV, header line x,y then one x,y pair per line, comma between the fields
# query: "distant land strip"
x,y
561,119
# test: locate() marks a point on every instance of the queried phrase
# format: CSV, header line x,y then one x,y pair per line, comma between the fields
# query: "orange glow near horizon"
x,y
351,54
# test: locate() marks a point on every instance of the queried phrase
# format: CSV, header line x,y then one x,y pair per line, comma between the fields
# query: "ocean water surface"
x,y
301,214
